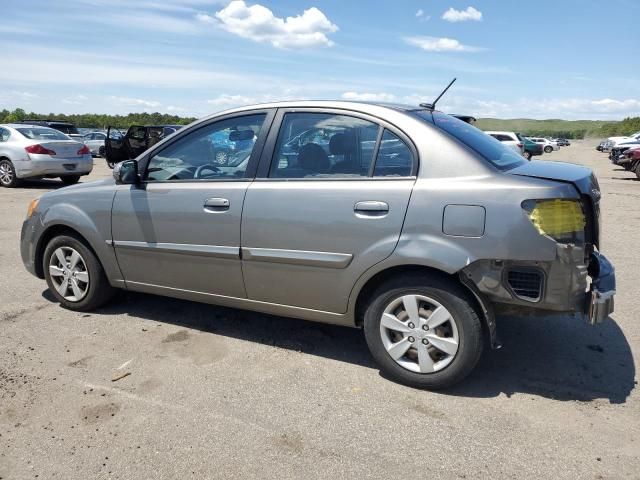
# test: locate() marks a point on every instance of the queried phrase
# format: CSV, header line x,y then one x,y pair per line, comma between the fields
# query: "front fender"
x,y
93,224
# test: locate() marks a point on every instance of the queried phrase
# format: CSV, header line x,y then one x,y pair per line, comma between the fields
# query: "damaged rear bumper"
x,y
567,284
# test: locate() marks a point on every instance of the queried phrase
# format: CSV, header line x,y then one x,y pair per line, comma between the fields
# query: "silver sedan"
x,y
32,151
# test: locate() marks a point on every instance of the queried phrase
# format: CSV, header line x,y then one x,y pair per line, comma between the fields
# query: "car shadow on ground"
x,y
47,184
557,357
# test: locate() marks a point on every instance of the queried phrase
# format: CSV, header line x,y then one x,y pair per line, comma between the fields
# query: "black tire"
x,y
548,149
527,155
637,171
99,291
70,179
8,180
111,164
457,301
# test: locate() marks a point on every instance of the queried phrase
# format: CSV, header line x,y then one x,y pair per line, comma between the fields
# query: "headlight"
x,y
32,207
561,219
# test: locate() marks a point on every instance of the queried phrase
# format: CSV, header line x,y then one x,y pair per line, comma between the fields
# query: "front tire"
x,y
423,331
548,149
74,275
8,176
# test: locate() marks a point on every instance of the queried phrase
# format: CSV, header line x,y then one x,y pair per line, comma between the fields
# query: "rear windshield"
x,y
42,133
65,128
492,150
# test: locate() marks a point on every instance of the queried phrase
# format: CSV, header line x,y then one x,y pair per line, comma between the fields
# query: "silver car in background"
x,y
95,142
401,220
33,151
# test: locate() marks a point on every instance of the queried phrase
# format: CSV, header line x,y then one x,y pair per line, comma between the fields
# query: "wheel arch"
x,y
49,234
481,305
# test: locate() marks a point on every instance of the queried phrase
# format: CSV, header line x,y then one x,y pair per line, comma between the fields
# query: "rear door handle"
x,y
371,206
216,204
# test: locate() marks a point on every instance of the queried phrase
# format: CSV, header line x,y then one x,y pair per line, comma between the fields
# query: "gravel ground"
x,y
220,393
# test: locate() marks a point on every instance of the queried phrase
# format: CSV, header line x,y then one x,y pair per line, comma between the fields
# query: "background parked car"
x,y
137,139
510,139
95,142
563,142
547,145
531,149
34,151
64,127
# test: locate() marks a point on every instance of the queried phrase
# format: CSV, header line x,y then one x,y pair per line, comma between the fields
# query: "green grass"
x,y
545,128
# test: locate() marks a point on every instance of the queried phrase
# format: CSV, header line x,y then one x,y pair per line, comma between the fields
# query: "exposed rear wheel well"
x,y
45,238
364,297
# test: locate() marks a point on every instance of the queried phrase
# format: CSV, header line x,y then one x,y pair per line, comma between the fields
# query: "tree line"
x,y
96,120
560,128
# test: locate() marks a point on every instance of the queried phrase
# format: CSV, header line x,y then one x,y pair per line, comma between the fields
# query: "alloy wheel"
x,y
69,274
6,173
419,333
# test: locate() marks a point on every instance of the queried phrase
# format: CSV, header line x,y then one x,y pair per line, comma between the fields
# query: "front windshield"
x,y
492,150
42,133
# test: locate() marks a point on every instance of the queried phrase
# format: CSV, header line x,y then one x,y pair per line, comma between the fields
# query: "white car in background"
x,y
547,145
510,139
95,142
618,140
34,151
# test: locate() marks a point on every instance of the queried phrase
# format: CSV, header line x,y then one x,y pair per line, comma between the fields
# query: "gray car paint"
x,y
284,251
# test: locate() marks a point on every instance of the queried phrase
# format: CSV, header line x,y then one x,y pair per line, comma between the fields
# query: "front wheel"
x,y
548,149
70,179
74,275
423,332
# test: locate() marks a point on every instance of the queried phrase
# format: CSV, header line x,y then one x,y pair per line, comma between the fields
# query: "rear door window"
x,y
394,157
324,145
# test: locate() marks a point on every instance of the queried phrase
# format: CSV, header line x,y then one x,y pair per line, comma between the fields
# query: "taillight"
x,y
39,150
520,145
84,150
561,219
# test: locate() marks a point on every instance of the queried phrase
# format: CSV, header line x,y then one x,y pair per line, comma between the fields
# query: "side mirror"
x,y
126,173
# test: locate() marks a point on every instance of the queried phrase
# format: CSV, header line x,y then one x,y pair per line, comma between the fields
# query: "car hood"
x,y
81,187
581,177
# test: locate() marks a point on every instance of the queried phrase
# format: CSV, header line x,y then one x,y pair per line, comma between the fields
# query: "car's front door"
x,y
329,204
180,228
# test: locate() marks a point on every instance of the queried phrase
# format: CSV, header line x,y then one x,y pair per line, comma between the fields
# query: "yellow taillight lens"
x,y
32,207
557,217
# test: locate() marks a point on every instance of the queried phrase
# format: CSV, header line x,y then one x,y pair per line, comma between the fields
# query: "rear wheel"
x,y
74,275
8,176
638,170
527,155
70,179
548,149
101,152
423,331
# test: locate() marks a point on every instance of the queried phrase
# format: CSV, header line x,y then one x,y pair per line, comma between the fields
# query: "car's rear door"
x,y
321,213
180,228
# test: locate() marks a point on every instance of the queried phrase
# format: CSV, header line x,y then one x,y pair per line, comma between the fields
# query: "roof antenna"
x,y
432,106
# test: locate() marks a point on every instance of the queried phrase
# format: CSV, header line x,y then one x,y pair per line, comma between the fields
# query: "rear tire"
x,y
548,149
74,275
8,176
70,179
408,340
527,155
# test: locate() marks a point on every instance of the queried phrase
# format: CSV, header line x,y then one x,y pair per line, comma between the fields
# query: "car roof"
x,y
23,125
365,107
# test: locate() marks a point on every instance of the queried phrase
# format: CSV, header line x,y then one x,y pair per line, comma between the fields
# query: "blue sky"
x,y
537,59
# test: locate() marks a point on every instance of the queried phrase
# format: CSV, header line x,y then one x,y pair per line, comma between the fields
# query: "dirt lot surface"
x,y
219,393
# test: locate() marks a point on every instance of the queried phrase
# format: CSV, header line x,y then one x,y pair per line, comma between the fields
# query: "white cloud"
x,y
420,13
368,97
134,102
75,99
453,15
435,44
259,24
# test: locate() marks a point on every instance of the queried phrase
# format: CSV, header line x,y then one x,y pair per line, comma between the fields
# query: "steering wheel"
x,y
202,168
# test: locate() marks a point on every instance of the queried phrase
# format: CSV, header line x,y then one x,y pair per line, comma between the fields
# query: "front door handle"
x,y
371,207
216,204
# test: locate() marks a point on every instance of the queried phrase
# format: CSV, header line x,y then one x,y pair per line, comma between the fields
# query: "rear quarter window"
x,y
492,150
